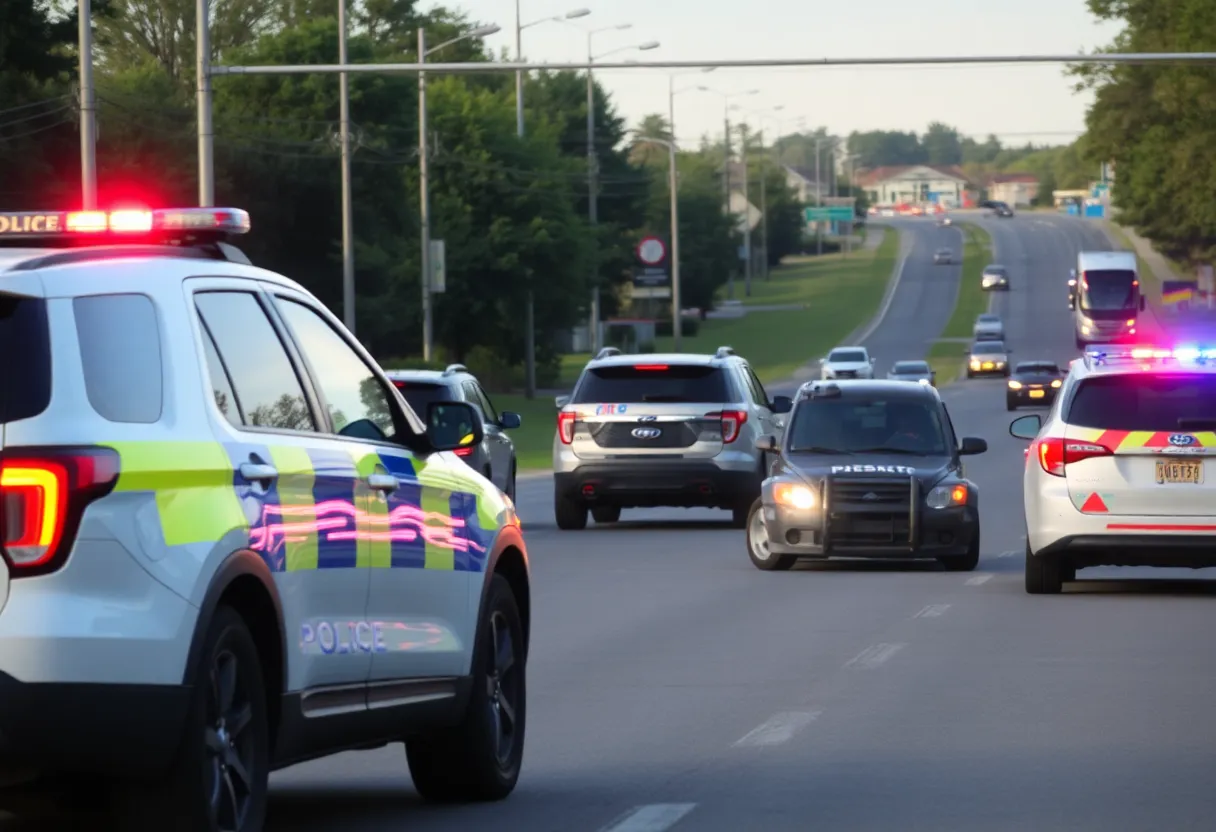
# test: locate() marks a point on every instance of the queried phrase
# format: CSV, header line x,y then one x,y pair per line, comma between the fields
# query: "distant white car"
x,y
943,256
988,327
847,362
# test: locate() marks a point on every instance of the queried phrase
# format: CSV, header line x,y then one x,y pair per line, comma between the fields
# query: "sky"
x,y
1023,103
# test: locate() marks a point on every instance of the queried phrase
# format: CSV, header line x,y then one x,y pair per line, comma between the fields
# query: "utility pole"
x,y
530,302
425,196
88,109
747,215
348,243
593,323
730,278
763,209
818,201
206,134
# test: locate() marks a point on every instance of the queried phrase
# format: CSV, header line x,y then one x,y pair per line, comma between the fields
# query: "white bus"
x,y
1104,293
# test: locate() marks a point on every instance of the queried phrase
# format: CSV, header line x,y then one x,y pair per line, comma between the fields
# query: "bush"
x,y
688,327
493,371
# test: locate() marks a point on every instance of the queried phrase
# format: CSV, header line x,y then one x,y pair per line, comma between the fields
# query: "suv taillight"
x,y
732,423
565,426
43,495
1055,453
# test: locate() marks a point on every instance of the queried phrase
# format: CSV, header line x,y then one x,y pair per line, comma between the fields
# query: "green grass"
x,y
534,437
946,357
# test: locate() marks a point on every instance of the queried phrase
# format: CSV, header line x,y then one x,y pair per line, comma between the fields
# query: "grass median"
x,y
837,293
946,356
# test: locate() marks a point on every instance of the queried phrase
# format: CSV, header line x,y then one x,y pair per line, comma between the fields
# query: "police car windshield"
x,y
897,425
847,356
420,394
673,383
988,348
1145,401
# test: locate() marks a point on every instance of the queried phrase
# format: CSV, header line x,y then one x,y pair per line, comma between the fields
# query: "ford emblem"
x,y
1181,440
648,418
647,433
870,496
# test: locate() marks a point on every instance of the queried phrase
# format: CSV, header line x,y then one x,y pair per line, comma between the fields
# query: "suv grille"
x,y
844,373
622,435
870,511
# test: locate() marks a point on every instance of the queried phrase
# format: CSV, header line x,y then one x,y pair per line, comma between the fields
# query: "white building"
x,y
914,184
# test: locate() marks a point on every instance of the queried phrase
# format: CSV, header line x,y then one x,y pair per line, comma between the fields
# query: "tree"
x,y
942,145
882,147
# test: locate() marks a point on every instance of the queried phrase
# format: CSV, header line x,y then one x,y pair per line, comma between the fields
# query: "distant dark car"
x,y
1033,383
1002,210
995,277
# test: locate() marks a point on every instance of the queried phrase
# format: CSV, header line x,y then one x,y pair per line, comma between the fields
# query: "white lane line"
x,y
874,655
778,729
978,579
1006,554
933,611
653,818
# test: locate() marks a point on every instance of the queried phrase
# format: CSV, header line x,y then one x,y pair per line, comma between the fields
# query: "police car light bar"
x,y
123,224
1189,354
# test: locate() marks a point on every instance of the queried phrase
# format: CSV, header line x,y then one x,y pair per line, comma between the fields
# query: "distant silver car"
x,y
912,371
943,256
847,362
988,327
988,358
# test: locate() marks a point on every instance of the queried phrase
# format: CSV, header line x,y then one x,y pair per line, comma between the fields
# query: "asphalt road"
x,y
673,685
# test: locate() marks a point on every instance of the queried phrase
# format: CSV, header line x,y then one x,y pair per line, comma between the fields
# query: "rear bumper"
x,y
1173,549
936,533
90,728
657,484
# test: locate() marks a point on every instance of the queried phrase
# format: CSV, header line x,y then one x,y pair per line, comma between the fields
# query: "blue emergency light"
x,y
122,224
1189,354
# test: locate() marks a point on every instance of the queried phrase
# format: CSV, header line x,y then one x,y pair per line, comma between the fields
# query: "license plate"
x,y
872,526
1188,471
1036,394
987,365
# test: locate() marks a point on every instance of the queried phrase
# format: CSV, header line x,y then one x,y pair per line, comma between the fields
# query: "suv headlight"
x,y
945,496
794,495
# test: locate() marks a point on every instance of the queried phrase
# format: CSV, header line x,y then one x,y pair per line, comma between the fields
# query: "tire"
x,y
739,515
227,716
511,483
1010,404
1044,575
480,759
606,514
757,543
967,562
1006,373
570,513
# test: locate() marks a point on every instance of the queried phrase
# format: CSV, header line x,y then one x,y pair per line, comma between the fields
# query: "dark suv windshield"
x,y
848,426
653,383
1165,402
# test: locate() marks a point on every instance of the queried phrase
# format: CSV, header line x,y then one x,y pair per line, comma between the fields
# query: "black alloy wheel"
x,y
504,689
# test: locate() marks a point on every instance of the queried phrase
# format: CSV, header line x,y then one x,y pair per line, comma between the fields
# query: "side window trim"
x,y
950,427
272,315
760,391
236,398
491,413
400,418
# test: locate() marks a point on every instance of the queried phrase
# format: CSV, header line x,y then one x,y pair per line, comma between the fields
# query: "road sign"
x,y
439,267
829,213
652,251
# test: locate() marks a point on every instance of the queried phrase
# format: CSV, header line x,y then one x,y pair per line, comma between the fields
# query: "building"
x,y
1016,189
914,184
802,181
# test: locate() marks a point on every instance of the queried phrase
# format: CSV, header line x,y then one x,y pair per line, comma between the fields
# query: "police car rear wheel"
x,y
758,549
480,758
606,514
1044,574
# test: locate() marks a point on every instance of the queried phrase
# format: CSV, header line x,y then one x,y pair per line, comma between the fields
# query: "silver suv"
x,y
661,430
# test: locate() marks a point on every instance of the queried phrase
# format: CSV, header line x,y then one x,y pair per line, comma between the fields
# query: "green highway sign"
x,y
831,213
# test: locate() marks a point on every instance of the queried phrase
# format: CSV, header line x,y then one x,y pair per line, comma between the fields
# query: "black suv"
x,y
867,469
495,456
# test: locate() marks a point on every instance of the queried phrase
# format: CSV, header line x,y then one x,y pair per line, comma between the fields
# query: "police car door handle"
x,y
258,472
383,482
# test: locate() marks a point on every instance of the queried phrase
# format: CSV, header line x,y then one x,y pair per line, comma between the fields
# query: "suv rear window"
x,y
653,383
25,384
421,393
1163,402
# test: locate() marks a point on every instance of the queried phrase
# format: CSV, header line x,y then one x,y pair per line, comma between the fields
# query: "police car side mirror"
x,y
971,445
561,401
768,443
782,404
452,425
1026,427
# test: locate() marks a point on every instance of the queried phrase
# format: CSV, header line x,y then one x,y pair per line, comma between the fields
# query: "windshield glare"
x,y
1108,289
854,426
1144,402
847,356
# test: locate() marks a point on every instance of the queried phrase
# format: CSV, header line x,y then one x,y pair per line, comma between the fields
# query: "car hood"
x,y
815,467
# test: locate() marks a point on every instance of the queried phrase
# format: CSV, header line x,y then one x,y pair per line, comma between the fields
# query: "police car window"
x,y
751,387
761,393
221,385
1144,401
25,385
653,383
120,353
263,377
850,426
359,406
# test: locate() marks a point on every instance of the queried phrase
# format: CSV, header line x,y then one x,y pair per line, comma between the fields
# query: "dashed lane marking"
x,y
874,655
933,611
655,817
778,729
1006,554
978,579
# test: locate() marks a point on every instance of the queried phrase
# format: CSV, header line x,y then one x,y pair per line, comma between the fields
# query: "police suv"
x,y
867,469
229,545
1116,471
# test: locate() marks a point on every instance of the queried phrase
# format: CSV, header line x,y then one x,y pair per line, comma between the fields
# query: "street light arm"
x,y
479,32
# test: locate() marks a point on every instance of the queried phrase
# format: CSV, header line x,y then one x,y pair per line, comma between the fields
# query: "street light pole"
x,y
672,186
88,109
206,135
348,243
747,214
425,203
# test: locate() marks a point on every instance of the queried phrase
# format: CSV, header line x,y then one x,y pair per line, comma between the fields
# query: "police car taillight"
x,y
43,495
565,426
1054,453
732,423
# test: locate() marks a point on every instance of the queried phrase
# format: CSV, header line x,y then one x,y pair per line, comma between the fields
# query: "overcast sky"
x,y
1018,103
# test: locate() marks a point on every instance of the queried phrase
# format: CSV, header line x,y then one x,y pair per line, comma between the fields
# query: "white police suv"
x,y
1116,475
229,545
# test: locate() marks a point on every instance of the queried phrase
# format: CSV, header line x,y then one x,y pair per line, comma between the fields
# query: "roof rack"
x,y
724,352
607,352
451,369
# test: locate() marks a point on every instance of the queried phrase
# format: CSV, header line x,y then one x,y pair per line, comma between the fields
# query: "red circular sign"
x,y
651,251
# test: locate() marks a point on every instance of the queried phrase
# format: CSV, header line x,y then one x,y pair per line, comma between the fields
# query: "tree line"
x,y
511,210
